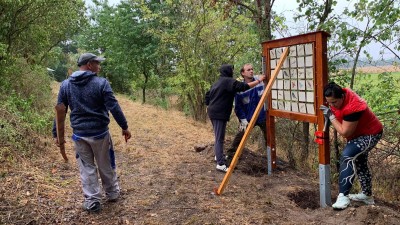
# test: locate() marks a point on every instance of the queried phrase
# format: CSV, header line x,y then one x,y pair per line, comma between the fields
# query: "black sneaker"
x,y
93,207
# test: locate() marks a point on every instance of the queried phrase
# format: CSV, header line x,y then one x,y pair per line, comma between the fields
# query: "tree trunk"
x,y
146,80
306,139
353,70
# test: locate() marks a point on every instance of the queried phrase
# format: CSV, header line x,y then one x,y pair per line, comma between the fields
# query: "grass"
x,y
373,78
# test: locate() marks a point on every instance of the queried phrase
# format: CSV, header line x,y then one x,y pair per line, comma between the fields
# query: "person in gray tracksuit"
x,y
90,98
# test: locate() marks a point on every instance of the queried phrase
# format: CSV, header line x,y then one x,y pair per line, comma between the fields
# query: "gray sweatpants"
x,y
99,148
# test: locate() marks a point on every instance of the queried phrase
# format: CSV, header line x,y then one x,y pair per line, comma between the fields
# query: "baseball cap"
x,y
86,57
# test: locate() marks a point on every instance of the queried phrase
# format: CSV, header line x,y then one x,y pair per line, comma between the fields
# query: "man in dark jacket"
x,y
220,100
90,98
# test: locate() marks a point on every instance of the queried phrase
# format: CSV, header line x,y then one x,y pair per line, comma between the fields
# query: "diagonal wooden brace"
x,y
61,111
252,123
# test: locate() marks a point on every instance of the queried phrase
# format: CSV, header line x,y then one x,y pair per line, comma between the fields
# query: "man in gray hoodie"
x,y
90,98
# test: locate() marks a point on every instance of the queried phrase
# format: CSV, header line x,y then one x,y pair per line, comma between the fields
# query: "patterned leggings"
x,y
354,160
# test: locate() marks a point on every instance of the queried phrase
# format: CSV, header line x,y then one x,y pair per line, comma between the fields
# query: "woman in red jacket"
x,y
354,120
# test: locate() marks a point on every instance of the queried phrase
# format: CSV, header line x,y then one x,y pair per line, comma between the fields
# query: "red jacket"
x,y
368,124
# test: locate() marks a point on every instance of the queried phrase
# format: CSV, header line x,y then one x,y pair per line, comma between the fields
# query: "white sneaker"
x,y
222,168
341,202
361,197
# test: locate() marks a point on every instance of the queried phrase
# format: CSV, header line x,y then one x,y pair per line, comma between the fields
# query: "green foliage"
x,y
24,109
123,34
204,40
381,91
24,113
383,94
317,13
31,28
361,23
62,59
26,93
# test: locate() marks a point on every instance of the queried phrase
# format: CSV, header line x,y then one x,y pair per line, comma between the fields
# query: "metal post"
x,y
269,160
324,185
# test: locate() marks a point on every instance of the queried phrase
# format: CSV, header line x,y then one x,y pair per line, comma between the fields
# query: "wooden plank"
x,y
321,72
60,128
293,116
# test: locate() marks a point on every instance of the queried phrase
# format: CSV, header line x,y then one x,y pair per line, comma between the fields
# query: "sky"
x,y
287,7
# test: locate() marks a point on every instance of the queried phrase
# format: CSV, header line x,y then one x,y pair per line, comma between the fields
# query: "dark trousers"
x,y
238,138
219,127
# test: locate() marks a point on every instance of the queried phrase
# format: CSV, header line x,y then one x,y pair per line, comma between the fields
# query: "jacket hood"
x,y
81,77
226,70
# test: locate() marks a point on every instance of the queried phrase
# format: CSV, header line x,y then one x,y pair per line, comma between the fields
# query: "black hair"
x,y
333,90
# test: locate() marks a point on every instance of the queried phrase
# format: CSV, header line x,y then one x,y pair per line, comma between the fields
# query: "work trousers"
x,y
89,152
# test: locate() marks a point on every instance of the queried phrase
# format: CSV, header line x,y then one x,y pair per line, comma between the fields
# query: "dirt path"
x,y
165,181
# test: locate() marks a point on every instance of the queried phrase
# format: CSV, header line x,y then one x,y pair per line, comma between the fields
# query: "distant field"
x,y
380,69
371,71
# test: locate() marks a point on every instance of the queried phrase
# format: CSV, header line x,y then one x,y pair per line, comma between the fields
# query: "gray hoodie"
x,y
89,98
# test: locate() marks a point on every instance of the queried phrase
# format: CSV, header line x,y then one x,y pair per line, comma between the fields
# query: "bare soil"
x,y
164,180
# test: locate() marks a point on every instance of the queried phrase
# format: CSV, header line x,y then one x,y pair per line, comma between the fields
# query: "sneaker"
x,y
361,197
341,202
222,168
93,207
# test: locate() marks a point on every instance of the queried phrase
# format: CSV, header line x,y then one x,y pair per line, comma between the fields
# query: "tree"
x,y
202,40
379,22
123,34
32,28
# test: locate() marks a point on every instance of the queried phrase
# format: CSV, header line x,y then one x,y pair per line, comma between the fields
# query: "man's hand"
x,y
127,134
243,124
327,113
261,78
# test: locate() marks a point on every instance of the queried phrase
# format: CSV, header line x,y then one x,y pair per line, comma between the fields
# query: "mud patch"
x,y
305,199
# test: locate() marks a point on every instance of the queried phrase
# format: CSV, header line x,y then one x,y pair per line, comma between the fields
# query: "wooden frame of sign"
x,y
297,94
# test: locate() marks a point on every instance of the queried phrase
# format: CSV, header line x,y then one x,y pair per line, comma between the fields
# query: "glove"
x,y
327,113
243,124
